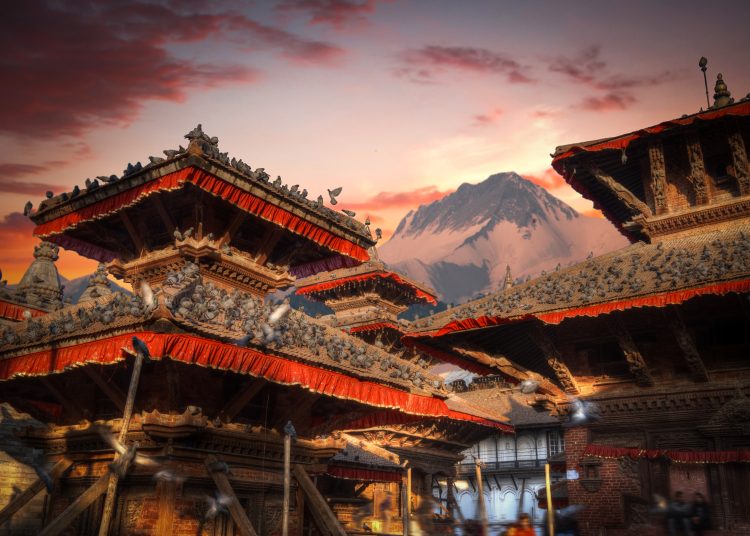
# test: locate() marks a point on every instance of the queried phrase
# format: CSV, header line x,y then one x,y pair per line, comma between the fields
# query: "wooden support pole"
x,y
112,391
328,523
550,508
76,508
408,494
520,498
134,236
167,493
287,484
480,490
404,507
241,399
235,508
109,501
65,401
59,469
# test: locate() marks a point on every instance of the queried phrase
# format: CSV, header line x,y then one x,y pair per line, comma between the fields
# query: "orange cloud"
x,y
549,179
389,200
594,213
489,118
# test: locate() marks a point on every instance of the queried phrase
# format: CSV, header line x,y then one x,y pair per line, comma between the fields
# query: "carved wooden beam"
x,y
58,470
241,399
233,226
300,411
235,508
111,390
657,176
554,359
268,244
372,448
636,363
65,401
698,176
687,345
626,197
163,214
739,159
325,519
134,236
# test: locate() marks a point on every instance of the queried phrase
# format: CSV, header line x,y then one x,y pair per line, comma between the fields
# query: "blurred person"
x,y
386,512
678,516
700,515
523,527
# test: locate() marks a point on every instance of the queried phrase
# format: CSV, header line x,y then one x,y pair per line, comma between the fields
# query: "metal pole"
x,y
287,483
109,501
702,64
550,509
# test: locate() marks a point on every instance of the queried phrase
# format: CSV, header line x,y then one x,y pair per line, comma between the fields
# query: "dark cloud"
x,y
16,223
422,65
610,101
588,69
337,13
77,66
11,172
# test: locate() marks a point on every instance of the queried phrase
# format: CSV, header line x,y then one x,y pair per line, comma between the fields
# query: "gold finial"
x,y
722,96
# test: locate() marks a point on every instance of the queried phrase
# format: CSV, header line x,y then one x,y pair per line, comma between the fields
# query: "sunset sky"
x,y
397,101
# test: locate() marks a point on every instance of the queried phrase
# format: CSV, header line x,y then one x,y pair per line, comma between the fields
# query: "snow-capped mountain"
x,y
461,244
75,287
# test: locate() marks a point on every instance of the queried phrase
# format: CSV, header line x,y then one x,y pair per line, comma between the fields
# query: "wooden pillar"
x,y
167,495
739,160
698,173
287,483
480,491
657,177
550,507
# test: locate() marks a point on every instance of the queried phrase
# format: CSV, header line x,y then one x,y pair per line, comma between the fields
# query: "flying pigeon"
x,y
529,386
333,194
583,413
278,313
218,504
168,475
127,454
147,295
177,234
378,233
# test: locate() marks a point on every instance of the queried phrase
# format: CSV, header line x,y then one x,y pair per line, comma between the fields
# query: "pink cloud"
x,y
390,200
74,69
608,102
422,65
489,118
337,13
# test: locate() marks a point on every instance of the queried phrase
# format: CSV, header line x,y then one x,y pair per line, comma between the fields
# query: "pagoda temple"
x,y
642,353
176,409
367,299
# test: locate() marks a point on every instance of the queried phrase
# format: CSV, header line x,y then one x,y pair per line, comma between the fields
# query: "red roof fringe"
x,y
367,475
717,456
375,326
215,186
217,355
319,287
14,311
622,142
555,317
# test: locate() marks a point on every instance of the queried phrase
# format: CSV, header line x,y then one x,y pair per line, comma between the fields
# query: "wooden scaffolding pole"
x,y
109,501
287,482
59,469
550,509
235,508
480,490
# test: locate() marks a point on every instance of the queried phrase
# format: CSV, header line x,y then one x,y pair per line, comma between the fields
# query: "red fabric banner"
x,y
555,317
366,475
718,456
14,311
217,355
622,142
215,186
327,285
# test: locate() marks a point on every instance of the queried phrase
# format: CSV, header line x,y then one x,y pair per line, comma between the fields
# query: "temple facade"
x,y
176,409
640,353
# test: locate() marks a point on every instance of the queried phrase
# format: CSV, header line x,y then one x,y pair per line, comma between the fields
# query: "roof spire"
x,y
722,96
508,278
40,285
98,285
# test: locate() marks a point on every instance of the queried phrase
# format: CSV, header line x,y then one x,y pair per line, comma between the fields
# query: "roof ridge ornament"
x,y
201,144
722,96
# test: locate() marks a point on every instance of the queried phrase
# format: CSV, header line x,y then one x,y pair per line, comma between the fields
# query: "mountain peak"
x,y
461,244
